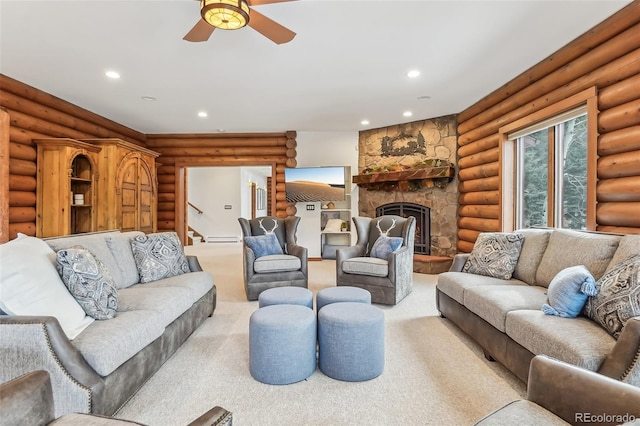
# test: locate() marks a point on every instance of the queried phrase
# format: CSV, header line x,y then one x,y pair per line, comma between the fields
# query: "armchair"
x,y
389,279
560,393
273,270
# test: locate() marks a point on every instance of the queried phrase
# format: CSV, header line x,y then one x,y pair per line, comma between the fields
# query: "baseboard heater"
x,y
222,239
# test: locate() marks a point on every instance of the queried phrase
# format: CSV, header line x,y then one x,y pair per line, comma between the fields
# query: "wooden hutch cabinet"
x,y
127,186
66,187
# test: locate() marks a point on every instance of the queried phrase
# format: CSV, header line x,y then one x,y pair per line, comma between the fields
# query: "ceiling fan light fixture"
x,y
225,14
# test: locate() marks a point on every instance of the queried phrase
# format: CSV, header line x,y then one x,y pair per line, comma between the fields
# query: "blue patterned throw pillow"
x,y
88,281
159,256
263,245
384,246
618,297
568,292
495,254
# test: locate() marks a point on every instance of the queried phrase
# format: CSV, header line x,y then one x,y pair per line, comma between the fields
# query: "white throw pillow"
x,y
30,285
334,225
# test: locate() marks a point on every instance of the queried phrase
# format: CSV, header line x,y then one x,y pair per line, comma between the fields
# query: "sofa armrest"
x,y
194,264
400,264
27,399
247,264
577,395
458,262
623,362
217,416
39,343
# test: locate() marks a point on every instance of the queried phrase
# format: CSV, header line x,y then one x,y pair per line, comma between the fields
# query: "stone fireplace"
x,y
408,144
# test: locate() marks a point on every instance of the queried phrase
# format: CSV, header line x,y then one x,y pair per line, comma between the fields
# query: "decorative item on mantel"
x,y
397,177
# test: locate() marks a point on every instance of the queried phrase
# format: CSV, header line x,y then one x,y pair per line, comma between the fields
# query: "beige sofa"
x,y
505,316
103,366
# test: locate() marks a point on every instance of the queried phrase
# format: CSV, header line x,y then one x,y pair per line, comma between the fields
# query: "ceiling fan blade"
x,y
201,31
259,2
270,28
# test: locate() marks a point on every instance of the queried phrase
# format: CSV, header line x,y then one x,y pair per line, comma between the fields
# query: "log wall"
x,y
193,150
606,57
29,113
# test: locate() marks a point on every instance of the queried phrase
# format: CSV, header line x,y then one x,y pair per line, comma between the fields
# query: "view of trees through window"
x,y
569,166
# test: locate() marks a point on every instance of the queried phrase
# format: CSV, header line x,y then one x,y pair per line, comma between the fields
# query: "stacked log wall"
x,y
29,113
194,150
607,57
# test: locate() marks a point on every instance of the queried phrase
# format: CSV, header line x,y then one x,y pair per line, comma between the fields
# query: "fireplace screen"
x,y
423,222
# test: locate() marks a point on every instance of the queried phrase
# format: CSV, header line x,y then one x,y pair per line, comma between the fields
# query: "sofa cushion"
x,y
493,303
569,248
159,256
453,284
629,246
106,345
88,281
198,283
30,285
578,341
120,246
96,243
533,247
568,292
494,254
371,266
263,245
384,246
276,263
168,302
618,297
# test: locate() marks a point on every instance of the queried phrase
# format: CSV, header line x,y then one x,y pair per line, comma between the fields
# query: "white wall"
x,y
211,189
317,149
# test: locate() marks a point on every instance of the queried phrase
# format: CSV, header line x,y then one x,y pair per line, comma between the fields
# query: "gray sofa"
x,y
100,369
505,316
28,400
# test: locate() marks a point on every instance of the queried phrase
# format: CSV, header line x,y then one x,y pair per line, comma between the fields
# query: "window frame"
x,y
508,159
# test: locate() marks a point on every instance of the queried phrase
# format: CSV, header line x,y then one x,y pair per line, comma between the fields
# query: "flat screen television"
x,y
311,184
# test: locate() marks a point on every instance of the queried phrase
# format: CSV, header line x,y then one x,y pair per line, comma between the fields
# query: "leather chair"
x,y
278,270
28,400
559,393
388,280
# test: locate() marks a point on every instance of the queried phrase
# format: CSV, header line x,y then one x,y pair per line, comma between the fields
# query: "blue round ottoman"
x,y
282,344
289,295
351,341
342,294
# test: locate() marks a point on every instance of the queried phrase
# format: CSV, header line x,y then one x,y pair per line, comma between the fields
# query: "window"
x,y
551,173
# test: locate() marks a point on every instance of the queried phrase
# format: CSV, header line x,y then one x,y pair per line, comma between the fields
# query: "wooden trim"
x,y
592,161
4,175
551,177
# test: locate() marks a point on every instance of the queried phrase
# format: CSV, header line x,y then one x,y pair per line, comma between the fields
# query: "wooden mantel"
x,y
406,180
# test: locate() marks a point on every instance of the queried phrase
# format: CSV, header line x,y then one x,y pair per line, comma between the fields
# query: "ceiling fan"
x,y
235,14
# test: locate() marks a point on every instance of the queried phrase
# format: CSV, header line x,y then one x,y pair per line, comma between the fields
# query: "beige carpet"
x,y
434,375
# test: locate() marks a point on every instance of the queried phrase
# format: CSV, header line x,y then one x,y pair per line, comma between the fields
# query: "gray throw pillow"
x,y
88,281
618,297
159,256
495,254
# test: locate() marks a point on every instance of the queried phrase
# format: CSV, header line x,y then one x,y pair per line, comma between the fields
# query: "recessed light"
x,y
407,113
202,114
112,74
413,73
424,98
148,98
364,122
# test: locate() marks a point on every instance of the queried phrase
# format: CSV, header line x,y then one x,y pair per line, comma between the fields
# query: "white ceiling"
x,y
347,63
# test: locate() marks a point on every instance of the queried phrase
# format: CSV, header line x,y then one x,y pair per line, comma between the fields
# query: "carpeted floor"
x,y
434,374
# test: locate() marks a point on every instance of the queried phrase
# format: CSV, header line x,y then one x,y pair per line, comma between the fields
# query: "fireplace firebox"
x,y
422,214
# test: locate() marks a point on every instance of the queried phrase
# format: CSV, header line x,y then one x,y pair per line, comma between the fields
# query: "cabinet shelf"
x,y
80,180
